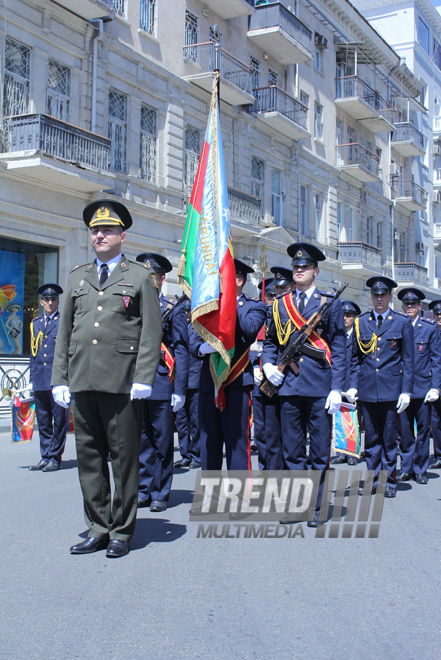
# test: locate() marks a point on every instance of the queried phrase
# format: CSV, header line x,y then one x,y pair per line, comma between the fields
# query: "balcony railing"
x,y
352,86
244,208
410,272
274,99
277,15
407,132
57,138
212,57
407,189
357,252
357,154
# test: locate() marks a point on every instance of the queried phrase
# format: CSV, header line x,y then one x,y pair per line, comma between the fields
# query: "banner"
x,y
22,420
206,271
345,432
12,275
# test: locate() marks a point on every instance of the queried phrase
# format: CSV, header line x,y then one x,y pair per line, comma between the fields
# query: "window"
x,y
351,216
147,16
16,81
273,77
318,65
304,98
437,54
369,230
318,207
258,178
23,267
192,151
256,66
120,7
215,35
340,228
338,132
276,196
148,143
303,210
191,35
379,236
403,248
117,130
423,34
58,91
318,121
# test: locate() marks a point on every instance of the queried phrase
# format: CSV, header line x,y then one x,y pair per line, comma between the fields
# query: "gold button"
x,y
379,338
44,364
99,308
96,325
378,359
301,360
94,342
101,293
131,348
377,370
378,349
45,355
45,345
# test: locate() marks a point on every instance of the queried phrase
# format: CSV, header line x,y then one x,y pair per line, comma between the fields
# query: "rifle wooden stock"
x,y
292,352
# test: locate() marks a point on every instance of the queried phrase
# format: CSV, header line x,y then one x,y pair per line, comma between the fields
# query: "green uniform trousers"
x,y
108,424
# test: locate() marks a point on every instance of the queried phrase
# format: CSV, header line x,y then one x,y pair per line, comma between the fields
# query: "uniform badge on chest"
x,y
393,343
126,300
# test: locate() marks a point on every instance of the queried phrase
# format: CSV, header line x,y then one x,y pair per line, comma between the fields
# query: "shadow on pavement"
x,y
157,530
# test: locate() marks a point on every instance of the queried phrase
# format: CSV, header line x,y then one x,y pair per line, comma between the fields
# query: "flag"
x,y
206,271
345,432
22,420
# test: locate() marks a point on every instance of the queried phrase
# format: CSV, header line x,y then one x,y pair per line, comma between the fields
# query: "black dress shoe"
x,y
436,463
91,544
352,460
194,465
117,548
52,466
390,492
184,462
341,458
158,505
142,503
39,465
421,479
316,521
404,476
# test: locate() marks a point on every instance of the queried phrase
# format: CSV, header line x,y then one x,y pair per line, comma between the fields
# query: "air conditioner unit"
x,y
436,197
396,235
436,150
394,169
419,247
320,41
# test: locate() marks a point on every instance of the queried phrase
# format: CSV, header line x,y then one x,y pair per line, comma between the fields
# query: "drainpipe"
x,y
98,23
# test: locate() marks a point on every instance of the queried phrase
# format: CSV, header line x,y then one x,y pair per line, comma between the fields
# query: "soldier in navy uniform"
x,y
415,452
350,311
435,306
382,375
168,396
187,422
307,400
230,427
51,417
283,281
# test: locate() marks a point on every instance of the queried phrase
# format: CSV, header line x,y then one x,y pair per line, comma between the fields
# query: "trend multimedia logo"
x,y
241,498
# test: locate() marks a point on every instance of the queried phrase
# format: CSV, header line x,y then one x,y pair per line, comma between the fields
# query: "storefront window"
x,y
23,268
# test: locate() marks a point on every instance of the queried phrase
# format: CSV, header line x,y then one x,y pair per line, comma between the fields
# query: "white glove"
x,y
61,395
206,349
273,374
432,395
177,401
403,402
351,395
140,391
257,375
333,402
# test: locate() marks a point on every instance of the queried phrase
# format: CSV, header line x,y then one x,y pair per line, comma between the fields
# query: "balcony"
x,y
361,102
235,87
408,194
358,161
53,151
230,8
277,109
88,9
410,274
245,210
362,258
279,33
407,140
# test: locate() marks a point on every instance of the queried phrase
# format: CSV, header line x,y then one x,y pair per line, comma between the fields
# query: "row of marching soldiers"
x,y
121,352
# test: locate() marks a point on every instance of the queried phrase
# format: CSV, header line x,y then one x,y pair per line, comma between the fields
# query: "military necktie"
x,y
379,321
104,274
302,297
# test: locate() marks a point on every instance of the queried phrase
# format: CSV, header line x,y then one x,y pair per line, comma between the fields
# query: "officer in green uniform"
x,y
106,355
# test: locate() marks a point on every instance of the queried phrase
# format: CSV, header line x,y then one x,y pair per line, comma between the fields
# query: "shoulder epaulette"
x,y
363,314
80,266
400,314
328,294
428,321
36,318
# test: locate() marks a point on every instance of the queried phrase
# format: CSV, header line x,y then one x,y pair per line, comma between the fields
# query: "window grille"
x,y
117,130
147,16
191,35
148,143
257,178
192,152
16,80
256,66
58,90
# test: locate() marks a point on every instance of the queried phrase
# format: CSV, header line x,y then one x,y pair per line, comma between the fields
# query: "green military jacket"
x,y
108,339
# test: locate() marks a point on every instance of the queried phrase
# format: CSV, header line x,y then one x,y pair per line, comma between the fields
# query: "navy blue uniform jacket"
x,y
251,314
427,347
41,364
316,377
383,374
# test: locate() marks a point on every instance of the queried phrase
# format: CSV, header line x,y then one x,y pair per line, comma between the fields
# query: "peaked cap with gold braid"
x,y
107,212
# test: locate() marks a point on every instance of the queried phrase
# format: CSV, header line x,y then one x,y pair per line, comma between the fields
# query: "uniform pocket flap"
x,y
127,345
393,335
396,371
72,347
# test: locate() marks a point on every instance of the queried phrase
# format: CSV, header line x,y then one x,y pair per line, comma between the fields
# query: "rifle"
x,y
292,352
171,309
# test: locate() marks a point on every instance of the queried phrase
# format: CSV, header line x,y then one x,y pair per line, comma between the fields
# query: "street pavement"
x,y
176,596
